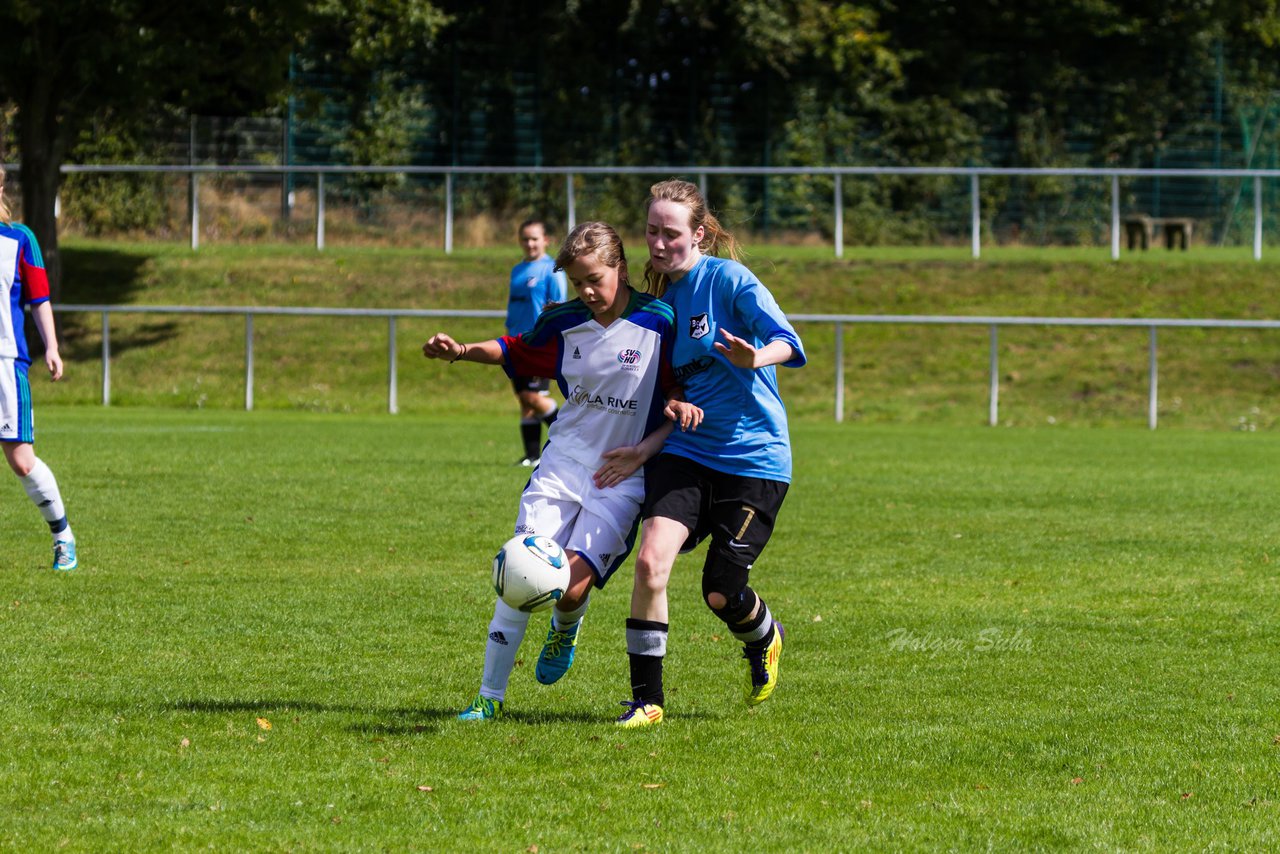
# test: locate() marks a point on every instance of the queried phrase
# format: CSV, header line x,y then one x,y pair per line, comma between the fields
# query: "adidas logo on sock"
x,y
498,637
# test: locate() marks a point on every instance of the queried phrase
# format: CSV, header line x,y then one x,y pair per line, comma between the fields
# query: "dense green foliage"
x,y
623,82
997,639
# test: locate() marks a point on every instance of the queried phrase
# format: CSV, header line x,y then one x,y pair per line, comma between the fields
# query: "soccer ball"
x,y
530,573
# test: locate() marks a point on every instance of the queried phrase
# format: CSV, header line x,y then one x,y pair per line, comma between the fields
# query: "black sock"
x,y
646,647
531,434
755,632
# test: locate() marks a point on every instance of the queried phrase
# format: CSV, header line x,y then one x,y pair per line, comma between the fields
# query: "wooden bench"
x,y
1141,228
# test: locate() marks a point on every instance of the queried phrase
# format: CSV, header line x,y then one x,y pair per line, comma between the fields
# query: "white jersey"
x,y
613,378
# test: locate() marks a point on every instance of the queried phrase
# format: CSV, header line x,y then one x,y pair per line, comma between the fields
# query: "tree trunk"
x,y
41,145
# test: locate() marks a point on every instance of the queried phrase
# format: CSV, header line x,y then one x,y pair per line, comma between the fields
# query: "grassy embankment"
x,y
1216,379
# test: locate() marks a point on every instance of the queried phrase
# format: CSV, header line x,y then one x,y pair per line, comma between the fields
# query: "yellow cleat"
x,y
764,667
639,714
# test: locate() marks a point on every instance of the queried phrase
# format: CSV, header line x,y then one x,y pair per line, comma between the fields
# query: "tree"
x,y
370,49
64,63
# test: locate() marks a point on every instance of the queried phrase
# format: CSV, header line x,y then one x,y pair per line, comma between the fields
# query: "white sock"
x,y
506,631
568,619
42,489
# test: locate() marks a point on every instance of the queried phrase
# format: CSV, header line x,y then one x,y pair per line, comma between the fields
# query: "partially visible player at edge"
x,y
609,350
727,481
25,283
536,282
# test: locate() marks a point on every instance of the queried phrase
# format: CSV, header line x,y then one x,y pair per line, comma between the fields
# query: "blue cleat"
x,y
481,709
64,555
557,654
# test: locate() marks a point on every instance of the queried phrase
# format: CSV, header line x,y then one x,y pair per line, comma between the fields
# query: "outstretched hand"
x,y
739,351
441,346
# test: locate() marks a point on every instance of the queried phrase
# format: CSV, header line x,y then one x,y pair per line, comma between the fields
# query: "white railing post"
x,y
572,205
1152,398
1257,217
839,372
106,358
993,414
393,401
195,211
975,215
319,210
448,213
702,187
1115,217
839,225
248,361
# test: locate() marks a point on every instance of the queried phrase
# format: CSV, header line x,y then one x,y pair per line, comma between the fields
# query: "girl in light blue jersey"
x,y
536,283
727,480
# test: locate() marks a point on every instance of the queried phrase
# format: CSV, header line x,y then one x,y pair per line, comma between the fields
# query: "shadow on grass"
x,y
408,715
400,721
100,276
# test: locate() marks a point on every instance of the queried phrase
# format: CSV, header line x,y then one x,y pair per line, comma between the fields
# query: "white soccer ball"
x,y
530,573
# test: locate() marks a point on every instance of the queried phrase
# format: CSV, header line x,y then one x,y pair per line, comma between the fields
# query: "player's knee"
x,y
580,580
20,458
651,572
724,585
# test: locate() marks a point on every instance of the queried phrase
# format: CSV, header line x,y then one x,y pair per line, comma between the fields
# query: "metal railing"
x,y
974,174
838,321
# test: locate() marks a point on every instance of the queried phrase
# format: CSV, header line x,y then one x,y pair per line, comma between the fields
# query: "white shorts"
x,y
562,503
16,422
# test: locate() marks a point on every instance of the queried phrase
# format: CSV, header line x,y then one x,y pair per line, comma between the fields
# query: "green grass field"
x,y
1009,639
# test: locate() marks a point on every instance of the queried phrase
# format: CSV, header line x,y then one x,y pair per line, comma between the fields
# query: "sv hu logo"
x,y
629,357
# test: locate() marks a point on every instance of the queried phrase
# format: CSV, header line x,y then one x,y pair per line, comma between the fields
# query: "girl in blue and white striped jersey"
x,y
24,282
609,350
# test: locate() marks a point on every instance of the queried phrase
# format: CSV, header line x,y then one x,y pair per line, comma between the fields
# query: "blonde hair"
x,y
599,239
5,216
716,239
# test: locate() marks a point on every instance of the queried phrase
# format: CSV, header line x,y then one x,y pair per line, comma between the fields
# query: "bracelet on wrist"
x,y
461,353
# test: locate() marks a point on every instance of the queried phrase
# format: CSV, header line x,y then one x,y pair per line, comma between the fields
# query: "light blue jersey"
x,y
744,431
533,285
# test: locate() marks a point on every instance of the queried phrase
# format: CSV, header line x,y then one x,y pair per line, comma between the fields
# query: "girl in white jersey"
x,y
23,281
728,480
609,350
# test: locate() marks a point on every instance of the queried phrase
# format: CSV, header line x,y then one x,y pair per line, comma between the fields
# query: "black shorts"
x,y
737,512
520,384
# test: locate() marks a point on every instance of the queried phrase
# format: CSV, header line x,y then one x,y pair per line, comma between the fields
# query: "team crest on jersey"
x,y
531,282
629,359
699,326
